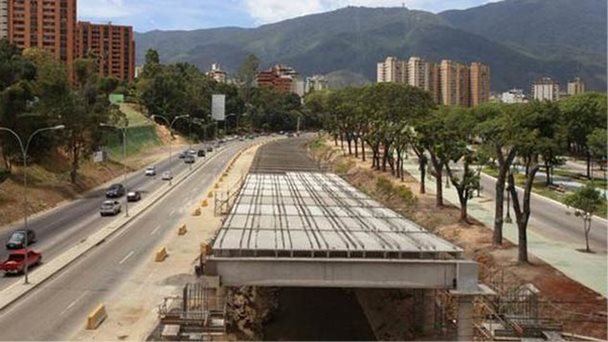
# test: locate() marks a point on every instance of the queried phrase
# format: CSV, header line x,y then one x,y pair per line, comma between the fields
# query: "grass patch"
x,y
386,187
141,134
317,144
135,117
344,166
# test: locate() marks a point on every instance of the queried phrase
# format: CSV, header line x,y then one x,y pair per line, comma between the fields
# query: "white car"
x,y
110,208
167,176
151,171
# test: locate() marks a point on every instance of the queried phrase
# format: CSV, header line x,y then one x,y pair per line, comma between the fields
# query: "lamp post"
x,y
24,150
122,130
170,124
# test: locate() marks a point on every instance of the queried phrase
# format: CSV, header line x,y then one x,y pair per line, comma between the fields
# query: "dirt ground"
x,y
581,310
49,181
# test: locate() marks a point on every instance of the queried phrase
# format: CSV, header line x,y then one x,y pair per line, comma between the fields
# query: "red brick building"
x,y
280,77
47,24
112,45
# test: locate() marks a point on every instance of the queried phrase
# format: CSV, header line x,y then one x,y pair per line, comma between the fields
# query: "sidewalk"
x,y
587,269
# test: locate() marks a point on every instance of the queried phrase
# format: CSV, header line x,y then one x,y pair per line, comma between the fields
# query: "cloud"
x,y
267,11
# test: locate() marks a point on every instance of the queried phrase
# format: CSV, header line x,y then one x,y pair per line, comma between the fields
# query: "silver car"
x,y
110,208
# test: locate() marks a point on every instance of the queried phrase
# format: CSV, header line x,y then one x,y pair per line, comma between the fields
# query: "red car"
x,y
16,261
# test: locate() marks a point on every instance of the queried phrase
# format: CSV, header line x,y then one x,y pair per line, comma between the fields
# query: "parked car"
x,y
201,153
189,159
151,171
110,208
133,196
16,261
167,175
115,191
17,239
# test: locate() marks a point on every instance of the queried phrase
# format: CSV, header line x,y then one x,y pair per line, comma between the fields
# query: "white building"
x,y
513,96
545,89
392,70
316,83
217,73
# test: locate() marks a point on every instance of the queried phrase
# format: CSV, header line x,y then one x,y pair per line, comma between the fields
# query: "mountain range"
x,y
521,40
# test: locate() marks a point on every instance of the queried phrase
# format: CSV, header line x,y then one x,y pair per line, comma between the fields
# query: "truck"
x,y
17,259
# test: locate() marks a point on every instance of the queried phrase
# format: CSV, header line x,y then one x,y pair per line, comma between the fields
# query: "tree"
x,y
539,127
582,114
499,132
596,141
247,75
586,201
152,64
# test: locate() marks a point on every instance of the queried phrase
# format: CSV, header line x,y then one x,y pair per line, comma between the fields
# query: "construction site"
x,y
302,254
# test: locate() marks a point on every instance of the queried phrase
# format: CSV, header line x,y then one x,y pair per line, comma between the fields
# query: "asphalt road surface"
x,y
55,309
551,220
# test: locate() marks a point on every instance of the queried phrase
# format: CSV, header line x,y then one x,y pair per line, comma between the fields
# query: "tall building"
x,y
46,24
418,73
480,83
217,73
576,86
3,19
545,89
463,85
449,83
435,82
392,70
112,45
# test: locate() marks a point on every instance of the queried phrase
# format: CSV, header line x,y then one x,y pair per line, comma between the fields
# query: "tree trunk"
x,y
362,149
588,165
422,165
587,229
438,166
504,164
356,147
522,214
464,217
548,178
349,143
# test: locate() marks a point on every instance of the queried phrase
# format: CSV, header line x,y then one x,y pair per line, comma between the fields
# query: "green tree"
x,y
581,115
152,64
586,201
598,147
247,75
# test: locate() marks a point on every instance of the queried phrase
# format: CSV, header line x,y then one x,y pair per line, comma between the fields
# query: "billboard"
x,y
218,107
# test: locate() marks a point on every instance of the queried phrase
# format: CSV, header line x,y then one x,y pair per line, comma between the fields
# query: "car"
x,y
189,160
115,191
201,153
167,175
191,152
18,259
151,171
18,237
182,155
209,148
110,208
133,196
241,139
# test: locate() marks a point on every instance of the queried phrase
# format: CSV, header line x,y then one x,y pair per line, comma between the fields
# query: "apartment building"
x,y
316,83
449,83
280,77
513,96
545,89
217,73
3,19
480,83
392,70
46,24
112,45
576,86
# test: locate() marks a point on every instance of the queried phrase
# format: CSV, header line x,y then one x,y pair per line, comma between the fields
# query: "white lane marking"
x,y
155,230
72,304
126,257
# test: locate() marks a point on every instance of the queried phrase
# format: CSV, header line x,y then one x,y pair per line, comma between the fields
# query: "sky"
x,y
146,15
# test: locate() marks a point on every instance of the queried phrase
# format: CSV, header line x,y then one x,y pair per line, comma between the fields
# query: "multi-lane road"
x,y
53,310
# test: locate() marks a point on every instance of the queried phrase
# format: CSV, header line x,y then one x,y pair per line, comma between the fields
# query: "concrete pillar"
x,y
424,312
465,318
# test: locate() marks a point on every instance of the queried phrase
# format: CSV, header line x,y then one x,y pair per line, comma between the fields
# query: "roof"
x,y
319,214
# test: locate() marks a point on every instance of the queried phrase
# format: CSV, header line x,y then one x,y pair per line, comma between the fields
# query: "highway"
x,y
63,227
551,219
56,309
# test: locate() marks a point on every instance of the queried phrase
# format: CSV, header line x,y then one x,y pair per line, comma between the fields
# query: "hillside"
x,y
354,39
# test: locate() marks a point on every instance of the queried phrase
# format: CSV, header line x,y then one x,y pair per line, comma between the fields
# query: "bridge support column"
x,y
465,318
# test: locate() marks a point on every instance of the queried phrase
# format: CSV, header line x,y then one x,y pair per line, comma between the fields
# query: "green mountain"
x,y
353,39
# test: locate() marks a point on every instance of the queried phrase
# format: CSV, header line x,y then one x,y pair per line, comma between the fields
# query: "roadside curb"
x,y
45,272
541,197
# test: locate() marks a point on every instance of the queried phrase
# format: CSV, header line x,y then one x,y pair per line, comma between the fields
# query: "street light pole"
x,y
170,124
24,150
123,131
